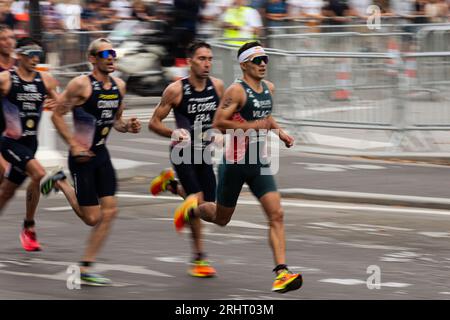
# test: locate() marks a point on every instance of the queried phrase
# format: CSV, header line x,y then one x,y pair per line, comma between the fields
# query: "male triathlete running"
x,y
7,62
23,92
96,103
247,105
194,101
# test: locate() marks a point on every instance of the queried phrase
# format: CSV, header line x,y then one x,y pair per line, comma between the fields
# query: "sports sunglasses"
x,y
104,54
259,59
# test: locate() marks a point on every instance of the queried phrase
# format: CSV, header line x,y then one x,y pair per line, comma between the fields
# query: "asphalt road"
x,y
332,244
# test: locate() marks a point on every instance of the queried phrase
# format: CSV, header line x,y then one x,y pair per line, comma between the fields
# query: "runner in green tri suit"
x,y
246,107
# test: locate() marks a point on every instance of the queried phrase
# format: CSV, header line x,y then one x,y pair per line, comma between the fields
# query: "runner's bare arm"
x,y
4,83
74,94
286,138
171,98
219,86
131,125
50,84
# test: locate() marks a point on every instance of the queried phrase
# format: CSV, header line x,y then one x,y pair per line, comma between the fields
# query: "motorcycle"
x,y
144,56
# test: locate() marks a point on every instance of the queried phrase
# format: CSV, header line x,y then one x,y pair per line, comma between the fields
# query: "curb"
x,y
440,158
367,198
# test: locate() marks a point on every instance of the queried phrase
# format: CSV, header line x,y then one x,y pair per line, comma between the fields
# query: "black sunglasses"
x,y
258,60
33,53
106,53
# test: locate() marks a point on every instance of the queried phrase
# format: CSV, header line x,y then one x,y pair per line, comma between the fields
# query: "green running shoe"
x,y
94,279
49,184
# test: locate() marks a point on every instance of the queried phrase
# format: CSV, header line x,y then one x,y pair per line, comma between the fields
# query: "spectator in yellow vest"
x,y
242,23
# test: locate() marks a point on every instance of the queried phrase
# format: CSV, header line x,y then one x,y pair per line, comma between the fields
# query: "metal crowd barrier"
x,y
374,91
69,48
355,26
426,97
434,39
340,41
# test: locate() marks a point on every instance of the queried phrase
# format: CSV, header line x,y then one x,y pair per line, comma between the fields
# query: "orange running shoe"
x,y
201,269
159,184
287,281
181,215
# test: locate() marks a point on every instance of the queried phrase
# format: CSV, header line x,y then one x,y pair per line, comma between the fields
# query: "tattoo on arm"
x,y
227,103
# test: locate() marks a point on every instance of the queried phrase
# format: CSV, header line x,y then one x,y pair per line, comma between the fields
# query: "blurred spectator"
x,y
22,18
52,21
7,46
141,12
53,27
210,14
241,22
70,10
259,5
420,12
404,8
122,8
108,19
224,4
186,17
385,7
19,7
338,12
437,11
6,16
360,8
310,9
90,16
276,12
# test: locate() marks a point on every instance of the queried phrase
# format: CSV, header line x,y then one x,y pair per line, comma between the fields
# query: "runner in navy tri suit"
x,y
23,92
7,62
96,104
194,101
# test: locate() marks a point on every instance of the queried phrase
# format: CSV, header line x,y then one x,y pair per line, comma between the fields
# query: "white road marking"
x,y
381,227
333,167
395,284
173,259
435,234
14,262
373,246
345,282
67,208
342,142
334,225
304,269
403,256
121,164
162,154
245,224
101,267
305,204
160,142
144,115
354,282
366,167
297,204
379,234
233,235
401,260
